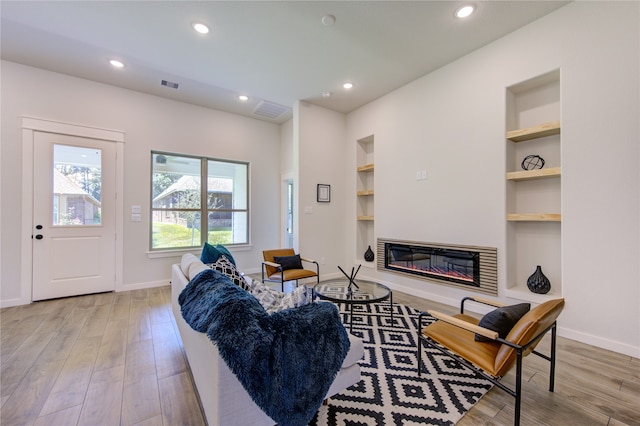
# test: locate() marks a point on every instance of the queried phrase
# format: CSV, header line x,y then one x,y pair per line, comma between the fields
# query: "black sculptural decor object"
x,y
368,255
532,162
538,282
351,278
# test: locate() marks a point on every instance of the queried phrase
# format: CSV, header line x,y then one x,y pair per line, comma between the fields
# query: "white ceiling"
x,y
276,51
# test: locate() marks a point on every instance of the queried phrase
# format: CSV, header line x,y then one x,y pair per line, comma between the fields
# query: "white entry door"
x,y
74,230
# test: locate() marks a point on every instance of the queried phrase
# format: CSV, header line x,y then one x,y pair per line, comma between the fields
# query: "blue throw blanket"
x,y
286,361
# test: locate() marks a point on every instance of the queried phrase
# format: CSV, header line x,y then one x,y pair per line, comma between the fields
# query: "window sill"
x,y
161,254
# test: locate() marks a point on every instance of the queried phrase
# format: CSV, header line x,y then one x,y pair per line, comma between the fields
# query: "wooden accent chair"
x,y
492,359
275,272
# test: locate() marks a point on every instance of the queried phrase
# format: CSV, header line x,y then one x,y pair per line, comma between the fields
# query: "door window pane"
x,y
77,186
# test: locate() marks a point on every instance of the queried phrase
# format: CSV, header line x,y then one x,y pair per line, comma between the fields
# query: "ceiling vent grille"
x,y
270,110
170,84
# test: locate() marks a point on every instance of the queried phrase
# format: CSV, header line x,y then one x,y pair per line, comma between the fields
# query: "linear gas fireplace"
x,y
469,267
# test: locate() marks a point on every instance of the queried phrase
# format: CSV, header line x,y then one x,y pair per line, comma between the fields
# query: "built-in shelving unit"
x,y
534,132
365,197
534,197
534,174
365,168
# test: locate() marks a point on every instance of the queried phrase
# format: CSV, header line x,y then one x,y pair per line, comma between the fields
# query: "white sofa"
x,y
224,400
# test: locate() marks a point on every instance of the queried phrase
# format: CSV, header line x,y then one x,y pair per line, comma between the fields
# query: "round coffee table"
x,y
360,292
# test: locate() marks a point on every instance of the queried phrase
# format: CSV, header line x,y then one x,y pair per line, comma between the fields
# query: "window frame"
x,y
204,207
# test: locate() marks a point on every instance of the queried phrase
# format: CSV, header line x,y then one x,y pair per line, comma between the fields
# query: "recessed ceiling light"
x,y
465,11
115,63
328,20
243,98
200,27
326,94
347,85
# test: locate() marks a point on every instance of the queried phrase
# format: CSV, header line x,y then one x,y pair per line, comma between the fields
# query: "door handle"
x,y
39,237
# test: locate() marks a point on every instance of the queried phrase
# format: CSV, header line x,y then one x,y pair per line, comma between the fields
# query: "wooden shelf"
x,y
365,168
534,132
534,217
365,193
534,174
365,218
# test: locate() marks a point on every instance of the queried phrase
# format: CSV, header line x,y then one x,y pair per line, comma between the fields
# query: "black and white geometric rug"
x,y
390,392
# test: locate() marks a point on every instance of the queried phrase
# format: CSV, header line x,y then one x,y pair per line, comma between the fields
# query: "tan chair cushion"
x,y
461,342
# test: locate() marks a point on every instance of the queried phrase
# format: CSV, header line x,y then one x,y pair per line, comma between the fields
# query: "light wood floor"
x,y
117,359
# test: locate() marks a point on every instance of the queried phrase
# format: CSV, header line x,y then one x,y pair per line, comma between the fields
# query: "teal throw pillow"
x,y
211,254
225,251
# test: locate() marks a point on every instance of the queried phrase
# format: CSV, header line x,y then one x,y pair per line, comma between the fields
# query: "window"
x,y
77,186
189,194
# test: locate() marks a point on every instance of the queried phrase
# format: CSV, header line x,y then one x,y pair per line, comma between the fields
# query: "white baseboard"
x,y
589,339
7,303
140,286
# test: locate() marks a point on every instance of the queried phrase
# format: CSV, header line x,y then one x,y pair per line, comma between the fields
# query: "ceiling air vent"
x,y
170,84
270,110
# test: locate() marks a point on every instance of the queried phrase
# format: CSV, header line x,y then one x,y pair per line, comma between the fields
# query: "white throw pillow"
x,y
275,301
195,268
186,261
294,299
268,297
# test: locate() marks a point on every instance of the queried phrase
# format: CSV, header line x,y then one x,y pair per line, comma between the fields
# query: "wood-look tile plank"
x,y
15,331
103,402
25,403
140,400
154,421
71,385
140,361
96,323
121,306
114,343
23,359
179,402
159,311
56,318
139,323
68,416
168,351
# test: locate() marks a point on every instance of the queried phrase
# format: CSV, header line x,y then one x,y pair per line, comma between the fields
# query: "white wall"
x,y
452,123
149,123
319,136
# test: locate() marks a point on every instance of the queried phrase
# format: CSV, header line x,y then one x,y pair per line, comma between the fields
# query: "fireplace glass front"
x,y
459,266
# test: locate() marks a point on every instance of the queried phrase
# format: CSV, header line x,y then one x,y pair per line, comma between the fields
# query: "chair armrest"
x,y
464,325
304,259
480,300
275,265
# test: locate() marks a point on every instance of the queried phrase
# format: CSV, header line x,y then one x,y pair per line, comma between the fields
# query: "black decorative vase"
x,y
368,255
538,283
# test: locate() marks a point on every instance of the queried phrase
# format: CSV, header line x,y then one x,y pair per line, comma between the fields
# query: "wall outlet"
x,y
323,260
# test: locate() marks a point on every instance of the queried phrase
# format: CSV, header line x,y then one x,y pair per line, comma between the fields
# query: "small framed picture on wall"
x,y
324,193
